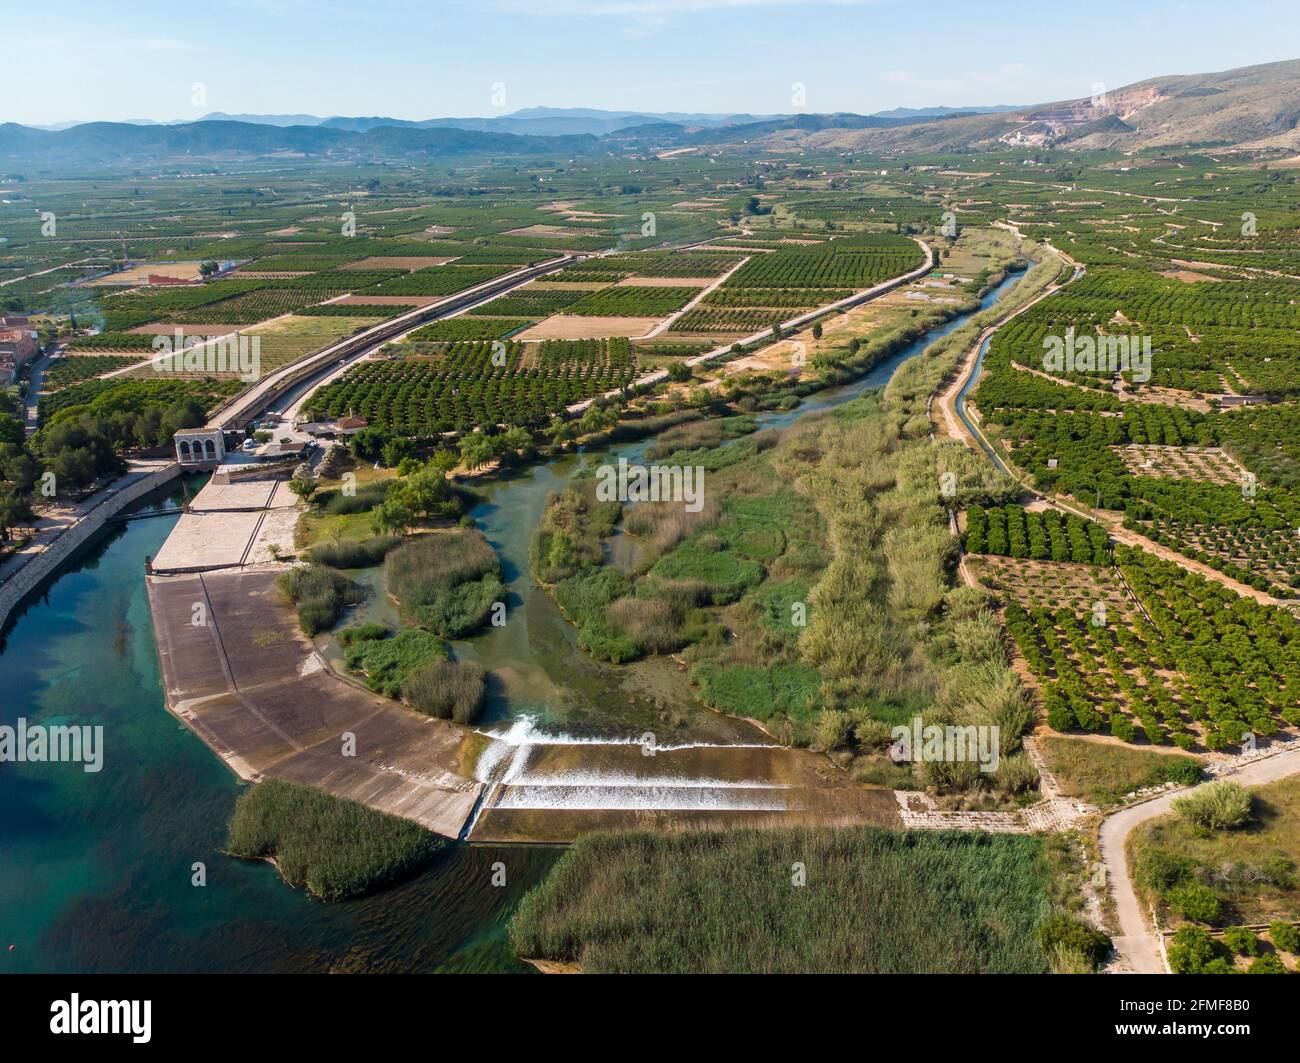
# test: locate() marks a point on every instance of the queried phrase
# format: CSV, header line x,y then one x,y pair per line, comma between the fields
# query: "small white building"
x,y
200,447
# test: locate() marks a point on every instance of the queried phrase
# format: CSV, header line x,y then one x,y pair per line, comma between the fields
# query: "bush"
x,y
1269,963
447,582
352,554
386,662
1016,774
648,622
832,730
1162,871
362,632
1182,770
362,500
1191,950
450,690
1241,940
320,594
1285,937
1060,931
1221,805
1196,902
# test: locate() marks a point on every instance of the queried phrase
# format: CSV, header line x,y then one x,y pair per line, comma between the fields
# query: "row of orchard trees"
x,y
1013,531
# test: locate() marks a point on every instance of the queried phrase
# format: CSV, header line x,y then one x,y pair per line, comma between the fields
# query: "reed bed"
x,y
874,901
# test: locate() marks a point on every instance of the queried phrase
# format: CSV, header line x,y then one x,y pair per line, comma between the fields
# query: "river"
x,y
97,868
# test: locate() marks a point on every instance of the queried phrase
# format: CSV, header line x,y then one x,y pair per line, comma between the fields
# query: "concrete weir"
x,y
238,672
545,787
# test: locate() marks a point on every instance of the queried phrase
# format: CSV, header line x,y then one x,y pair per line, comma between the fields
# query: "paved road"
x,y
1136,944
35,382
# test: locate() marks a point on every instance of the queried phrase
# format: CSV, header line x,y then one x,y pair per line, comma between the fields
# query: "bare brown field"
x,y
565,286
168,329
665,282
186,271
553,230
574,327
272,274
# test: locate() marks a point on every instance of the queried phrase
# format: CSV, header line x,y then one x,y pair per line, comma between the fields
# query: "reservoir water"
x,y
96,869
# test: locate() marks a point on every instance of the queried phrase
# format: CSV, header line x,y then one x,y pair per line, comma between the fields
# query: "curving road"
x,y
1137,944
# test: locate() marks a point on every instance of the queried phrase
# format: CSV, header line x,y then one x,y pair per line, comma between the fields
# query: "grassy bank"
x,y
1104,773
873,901
332,847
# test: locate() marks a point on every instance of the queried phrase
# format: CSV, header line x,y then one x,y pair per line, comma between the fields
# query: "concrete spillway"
x,y
548,787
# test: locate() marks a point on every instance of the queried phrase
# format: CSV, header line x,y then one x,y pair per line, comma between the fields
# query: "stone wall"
x,y
32,574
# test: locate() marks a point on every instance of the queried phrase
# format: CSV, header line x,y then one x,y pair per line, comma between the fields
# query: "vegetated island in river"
x,y
332,847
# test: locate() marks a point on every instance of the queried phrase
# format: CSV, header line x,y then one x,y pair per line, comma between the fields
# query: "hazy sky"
x,y
87,59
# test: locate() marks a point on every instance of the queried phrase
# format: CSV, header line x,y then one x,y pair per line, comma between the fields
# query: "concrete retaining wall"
x,y
32,574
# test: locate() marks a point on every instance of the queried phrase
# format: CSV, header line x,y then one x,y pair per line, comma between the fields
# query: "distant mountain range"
x,y
1252,107
530,121
1256,107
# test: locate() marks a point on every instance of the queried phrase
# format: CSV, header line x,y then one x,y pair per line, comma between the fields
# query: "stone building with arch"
x,y
200,447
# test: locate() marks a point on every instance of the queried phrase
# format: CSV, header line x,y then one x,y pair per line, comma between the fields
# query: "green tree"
x,y
304,486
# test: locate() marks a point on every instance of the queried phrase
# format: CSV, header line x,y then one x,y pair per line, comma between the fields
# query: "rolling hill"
x,y
1254,107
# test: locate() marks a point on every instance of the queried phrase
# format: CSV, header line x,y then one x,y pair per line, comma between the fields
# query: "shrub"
x,y
1061,931
1182,770
361,632
386,662
1241,940
338,504
1216,806
1285,937
1196,902
1191,949
450,690
832,730
873,734
320,594
1161,871
447,581
353,554
1269,963
648,622
1016,774
1064,960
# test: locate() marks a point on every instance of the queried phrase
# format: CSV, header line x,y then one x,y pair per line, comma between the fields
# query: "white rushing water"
x,y
508,762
